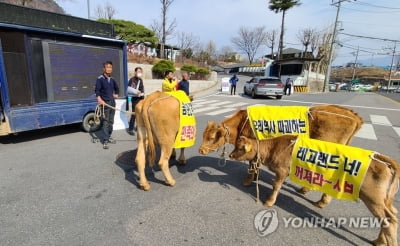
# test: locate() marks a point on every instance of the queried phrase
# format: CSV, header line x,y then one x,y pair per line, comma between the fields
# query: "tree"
x,y
106,12
211,50
282,6
186,42
161,67
226,54
271,41
305,36
163,30
249,41
132,32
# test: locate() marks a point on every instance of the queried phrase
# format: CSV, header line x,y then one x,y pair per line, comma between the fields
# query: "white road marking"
x,y
397,130
205,101
240,104
366,131
221,103
380,120
204,109
344,105
224,110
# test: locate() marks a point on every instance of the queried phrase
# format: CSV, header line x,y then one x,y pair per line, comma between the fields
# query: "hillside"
x,y
47,5
366,74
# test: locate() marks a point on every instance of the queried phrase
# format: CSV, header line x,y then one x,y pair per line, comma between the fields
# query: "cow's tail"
x,y
394,182
146,120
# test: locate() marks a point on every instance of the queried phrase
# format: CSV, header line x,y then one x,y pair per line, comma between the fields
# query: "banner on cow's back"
x,y
335,169
274,121
186,136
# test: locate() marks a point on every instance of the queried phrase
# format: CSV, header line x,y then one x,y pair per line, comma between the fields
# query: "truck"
x,y
49,64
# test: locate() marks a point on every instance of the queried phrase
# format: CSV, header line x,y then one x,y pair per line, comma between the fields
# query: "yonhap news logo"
x,y
266,222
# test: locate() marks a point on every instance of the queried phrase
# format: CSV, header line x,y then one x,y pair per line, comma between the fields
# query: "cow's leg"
x,y
141,158
164,163
182,159
280,176
173,154
250,174
373,193
388,233
325,200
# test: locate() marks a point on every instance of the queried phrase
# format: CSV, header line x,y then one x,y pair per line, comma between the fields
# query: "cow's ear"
x,y
247,147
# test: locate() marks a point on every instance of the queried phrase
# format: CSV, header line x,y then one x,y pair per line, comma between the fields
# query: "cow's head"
x,y
244,149
214,137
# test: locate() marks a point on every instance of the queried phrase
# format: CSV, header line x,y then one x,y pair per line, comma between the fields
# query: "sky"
x,y
220,20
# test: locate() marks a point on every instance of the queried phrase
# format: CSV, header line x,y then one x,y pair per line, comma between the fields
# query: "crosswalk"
x,y
214,107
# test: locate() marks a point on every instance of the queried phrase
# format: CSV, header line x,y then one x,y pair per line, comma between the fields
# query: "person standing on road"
x,y
288,86
135,93
169,83
106,91
184,83
233,81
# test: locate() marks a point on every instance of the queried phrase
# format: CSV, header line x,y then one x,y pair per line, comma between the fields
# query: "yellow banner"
x,y
275,121
186,136
335,169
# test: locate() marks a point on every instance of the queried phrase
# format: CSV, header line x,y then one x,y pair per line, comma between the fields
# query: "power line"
x,y
375,6
373,11
360,36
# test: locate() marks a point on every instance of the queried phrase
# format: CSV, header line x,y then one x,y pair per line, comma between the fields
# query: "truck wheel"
x,y
88,123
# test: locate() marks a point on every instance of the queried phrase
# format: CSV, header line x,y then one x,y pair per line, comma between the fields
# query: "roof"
x,y
291,51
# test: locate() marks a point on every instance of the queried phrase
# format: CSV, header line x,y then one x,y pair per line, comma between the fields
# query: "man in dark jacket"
x,y
135,93
106,91
184,83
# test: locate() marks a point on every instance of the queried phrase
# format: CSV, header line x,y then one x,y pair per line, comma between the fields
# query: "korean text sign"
x,y
335,169
275,121
186,136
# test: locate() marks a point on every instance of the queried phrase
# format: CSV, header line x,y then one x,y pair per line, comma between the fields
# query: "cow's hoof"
x,y
378,242
170,182
303,190
247,182
319,204
182,162
145,186
269,204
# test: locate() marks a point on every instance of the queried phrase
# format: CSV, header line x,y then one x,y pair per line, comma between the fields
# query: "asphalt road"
x,y
57,187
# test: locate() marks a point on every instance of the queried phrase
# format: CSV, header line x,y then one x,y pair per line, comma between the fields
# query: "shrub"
x,y
202,73
189,68
161,67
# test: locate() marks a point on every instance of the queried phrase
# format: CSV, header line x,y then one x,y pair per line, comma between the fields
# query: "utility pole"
x,y
355,64
390,70
328,70
88,9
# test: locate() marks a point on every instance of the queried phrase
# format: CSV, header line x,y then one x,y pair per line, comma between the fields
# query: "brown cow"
x,y
157,119
377,190
327,122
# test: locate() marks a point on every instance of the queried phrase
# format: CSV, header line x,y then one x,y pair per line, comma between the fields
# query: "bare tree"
x,y
249,41
211,49
164,29
323,51
186,43
314,43
305,36
271,40
105,12
226,54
